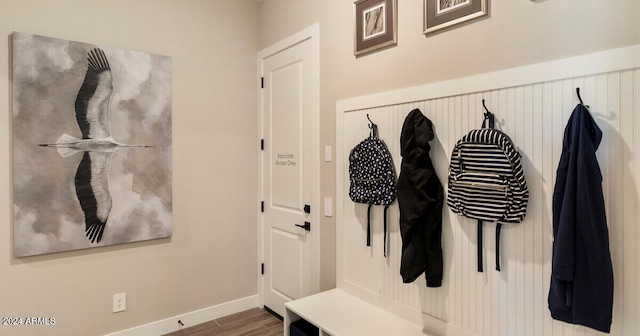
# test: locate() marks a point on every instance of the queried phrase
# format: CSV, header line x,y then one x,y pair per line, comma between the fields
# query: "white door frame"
x,y
311,33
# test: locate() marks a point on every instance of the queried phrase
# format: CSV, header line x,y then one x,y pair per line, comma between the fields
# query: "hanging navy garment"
x,y
420,200
581,290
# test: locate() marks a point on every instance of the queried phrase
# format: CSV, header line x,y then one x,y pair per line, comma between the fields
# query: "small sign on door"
x,y
285,160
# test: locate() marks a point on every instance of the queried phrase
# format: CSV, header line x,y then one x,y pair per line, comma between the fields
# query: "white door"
x,y
289,171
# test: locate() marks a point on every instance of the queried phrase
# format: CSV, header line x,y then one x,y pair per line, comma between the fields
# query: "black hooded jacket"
x,y
420,198
581,290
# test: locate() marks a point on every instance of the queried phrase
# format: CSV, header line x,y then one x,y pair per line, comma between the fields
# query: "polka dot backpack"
x,y
372,177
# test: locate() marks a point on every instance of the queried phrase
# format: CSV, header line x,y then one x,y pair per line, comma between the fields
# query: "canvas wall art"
x,y
92,145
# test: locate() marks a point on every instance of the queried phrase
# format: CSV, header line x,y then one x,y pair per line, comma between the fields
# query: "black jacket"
x,y
581,288
420,199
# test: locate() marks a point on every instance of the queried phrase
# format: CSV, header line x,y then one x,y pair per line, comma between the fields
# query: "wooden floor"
x,y
253,322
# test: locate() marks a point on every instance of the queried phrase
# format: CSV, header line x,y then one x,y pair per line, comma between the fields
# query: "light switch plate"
x,y
328,207
327,154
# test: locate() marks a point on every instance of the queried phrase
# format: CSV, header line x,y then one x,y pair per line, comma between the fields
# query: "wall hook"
x,y
578,93
488,116
370,121
580,98
485,108
373,127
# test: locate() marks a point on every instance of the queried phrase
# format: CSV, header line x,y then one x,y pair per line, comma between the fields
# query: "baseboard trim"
x,y
190,319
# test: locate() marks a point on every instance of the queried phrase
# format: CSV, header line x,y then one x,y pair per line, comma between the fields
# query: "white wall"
x,y
212,257
515,33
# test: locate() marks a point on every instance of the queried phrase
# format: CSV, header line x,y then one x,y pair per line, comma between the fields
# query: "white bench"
x,y
338,313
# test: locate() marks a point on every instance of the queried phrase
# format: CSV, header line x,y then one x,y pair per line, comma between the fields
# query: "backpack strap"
x,y
488,122
369,225
480,245
385,230
489,119
498,229
386,207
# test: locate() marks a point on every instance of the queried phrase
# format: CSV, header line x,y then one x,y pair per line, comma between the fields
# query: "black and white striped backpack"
x,y
372,177
486,181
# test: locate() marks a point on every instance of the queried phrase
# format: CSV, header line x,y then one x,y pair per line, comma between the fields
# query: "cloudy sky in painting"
x,y
47,74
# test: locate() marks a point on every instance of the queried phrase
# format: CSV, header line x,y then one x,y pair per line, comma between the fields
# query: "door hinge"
x,y
261,144
262,269
262,206
262,82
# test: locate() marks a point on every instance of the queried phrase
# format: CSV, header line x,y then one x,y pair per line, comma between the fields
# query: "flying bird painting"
x,y
92,190
97,144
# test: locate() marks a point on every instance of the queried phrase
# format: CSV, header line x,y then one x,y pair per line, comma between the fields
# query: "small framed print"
x,y
375,25
439,14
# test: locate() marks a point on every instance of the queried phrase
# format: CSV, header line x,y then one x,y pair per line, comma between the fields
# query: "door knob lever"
x,y
306,226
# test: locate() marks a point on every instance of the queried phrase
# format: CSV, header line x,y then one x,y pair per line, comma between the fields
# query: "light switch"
x,y
327,153
328,207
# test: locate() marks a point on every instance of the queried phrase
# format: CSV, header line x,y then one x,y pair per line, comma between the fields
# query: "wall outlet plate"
x,y
119,302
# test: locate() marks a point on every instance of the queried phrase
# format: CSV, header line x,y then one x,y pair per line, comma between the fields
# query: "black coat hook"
x,y
578,93
488,116
373,127
580,98
485,108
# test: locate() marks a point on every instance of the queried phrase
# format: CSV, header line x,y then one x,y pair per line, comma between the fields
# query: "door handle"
x,y
306,226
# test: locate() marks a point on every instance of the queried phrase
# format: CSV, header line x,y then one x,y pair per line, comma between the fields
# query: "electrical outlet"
x,y
119,302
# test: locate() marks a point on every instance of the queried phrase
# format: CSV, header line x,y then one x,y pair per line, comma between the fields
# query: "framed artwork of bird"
x,y
92,146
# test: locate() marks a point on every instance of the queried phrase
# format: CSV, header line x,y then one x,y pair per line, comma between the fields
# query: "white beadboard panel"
x,y
532,104
635,213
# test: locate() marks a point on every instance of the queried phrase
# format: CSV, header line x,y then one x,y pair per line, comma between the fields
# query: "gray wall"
x,y
515,33
212,256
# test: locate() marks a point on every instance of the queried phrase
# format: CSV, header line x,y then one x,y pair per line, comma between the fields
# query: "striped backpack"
x,y
486,181
372,177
